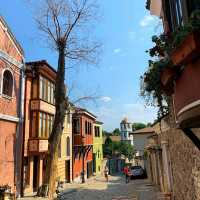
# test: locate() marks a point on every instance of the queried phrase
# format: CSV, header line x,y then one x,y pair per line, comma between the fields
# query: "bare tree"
x,y
64,23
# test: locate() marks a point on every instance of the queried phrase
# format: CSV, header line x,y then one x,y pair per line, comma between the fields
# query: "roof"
x,y
12,35
83,110
41,62
146,130
114,138
98,122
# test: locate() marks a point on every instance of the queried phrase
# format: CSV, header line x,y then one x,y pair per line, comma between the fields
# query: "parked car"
x,y
138,172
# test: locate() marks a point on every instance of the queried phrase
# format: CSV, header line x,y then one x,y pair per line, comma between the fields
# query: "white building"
x,y
125,131
140,138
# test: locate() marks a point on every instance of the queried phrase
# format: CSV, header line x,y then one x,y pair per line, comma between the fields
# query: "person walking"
x,y
127,174
106,173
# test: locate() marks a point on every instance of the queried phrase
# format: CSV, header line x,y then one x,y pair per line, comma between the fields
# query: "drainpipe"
x,y
19,135
190,134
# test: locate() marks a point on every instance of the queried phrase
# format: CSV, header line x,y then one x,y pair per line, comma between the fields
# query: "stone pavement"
x,y
115,189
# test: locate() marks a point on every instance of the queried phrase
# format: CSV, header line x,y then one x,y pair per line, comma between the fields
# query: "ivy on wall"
x,y
151,87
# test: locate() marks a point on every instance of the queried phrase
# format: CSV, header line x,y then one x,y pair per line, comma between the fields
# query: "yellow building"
x,y
97,148
65,151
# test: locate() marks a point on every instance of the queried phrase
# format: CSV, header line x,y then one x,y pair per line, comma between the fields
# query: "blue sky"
x,y
125,30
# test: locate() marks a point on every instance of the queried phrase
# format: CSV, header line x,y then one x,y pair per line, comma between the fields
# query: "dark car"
x,y
137,172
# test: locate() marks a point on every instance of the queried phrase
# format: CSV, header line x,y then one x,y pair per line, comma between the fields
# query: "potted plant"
x,y
167,76
188,50
186,42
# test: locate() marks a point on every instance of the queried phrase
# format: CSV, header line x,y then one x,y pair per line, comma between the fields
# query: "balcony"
x,y
36,146
187,96
39,105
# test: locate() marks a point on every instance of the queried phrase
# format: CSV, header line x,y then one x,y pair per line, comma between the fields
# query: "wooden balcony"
x,y
36,146
187,96
40,105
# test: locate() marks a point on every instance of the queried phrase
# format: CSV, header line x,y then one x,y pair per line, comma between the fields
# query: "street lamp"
x,y
83,139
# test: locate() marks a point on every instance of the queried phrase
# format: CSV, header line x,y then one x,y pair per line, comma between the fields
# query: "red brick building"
x,y
11,109
38,122
82,132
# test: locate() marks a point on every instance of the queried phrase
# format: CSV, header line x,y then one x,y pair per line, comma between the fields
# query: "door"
x,y
94,162
89,169
67,171
35,172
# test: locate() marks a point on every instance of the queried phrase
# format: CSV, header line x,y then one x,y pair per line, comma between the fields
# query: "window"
x,y
90,129
52,93
47,90
76,126
34,124
169,15
7,88
97,131
40,126
41,86
45,125
86,127
179,12
174,14
68,146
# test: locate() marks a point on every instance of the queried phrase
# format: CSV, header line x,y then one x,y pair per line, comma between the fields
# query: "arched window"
x,y
68,146
7,88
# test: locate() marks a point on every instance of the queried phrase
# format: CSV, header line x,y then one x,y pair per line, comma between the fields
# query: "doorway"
x,y
35,172
89,169
67,171
94,162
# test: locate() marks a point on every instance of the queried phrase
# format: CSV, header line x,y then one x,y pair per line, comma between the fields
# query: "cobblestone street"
x,y
115,189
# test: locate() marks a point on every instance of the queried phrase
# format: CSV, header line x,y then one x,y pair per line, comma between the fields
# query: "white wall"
x,y
140,141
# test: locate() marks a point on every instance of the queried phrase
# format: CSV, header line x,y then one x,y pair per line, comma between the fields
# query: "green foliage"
x,y
127,150
108,141
116,132
105,133
148,4
149,124
193,25
151,89
113,148
162,46
137,126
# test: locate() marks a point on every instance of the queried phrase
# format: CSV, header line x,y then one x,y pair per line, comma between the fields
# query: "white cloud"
x,y
138,112
106,99
118,50
147,20
135,112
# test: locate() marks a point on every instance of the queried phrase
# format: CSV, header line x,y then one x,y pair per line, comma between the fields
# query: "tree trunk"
x,y
61,104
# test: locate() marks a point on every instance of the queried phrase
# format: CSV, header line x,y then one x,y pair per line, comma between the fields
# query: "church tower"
x,y
125,130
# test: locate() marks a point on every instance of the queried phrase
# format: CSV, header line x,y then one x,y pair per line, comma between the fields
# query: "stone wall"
x,y
185,165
